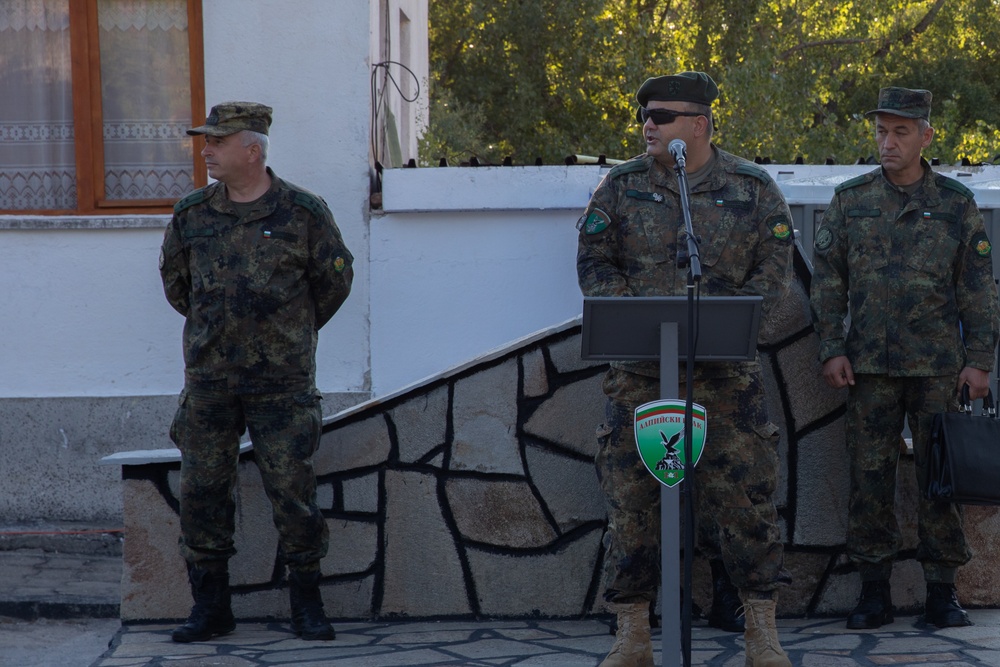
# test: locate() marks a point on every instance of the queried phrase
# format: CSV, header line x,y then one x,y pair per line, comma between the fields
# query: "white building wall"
x,y
465,260
462,260
83,315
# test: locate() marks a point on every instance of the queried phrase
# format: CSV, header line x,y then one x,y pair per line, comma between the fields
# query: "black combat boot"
x,y
212,614
941,607
874,608
308,620
725,612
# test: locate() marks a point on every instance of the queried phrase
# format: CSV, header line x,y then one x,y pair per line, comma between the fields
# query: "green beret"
x,y
696,87
904,102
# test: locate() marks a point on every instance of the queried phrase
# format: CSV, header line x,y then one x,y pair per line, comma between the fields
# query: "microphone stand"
x,y
693,262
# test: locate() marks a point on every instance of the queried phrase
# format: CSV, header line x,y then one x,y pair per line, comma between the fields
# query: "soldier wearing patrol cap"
x,y
631,238
257,266
904,252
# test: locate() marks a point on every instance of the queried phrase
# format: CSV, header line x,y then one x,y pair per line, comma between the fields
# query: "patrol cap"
x,y
231,117
904,102
696,87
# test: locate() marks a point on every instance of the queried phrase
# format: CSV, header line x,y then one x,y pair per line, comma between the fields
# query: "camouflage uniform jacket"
x,y
633,227
255,290
909,270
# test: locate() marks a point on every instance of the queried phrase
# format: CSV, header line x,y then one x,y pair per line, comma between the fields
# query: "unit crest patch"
x,y
781,229
824,239
982,245
596,222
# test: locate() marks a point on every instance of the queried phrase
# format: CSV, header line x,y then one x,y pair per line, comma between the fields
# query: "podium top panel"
x,y
628,328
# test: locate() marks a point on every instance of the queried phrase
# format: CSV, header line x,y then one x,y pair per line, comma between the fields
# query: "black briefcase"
x,y
964,457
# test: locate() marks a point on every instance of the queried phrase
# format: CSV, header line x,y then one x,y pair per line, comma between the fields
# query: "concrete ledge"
x,y
46,222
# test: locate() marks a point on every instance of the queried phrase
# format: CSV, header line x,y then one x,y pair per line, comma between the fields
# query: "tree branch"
x,y
910,35
822,42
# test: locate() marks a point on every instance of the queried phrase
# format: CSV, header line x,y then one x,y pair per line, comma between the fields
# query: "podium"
x,y
656,328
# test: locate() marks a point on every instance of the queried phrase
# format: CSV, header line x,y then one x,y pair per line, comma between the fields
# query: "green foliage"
x,y
548,78
456,133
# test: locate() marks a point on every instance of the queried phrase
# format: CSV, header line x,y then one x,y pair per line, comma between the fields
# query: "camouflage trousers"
x,y
734,483
285,430
876,407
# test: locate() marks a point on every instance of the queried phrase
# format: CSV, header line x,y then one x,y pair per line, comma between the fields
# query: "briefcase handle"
x,y
989,408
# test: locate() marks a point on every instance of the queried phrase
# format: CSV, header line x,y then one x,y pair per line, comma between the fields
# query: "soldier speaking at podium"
x,y
632,243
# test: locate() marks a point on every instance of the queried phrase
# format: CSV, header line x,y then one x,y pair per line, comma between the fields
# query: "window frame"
x,y
85,56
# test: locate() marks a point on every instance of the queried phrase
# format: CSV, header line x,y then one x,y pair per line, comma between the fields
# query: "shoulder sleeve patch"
x,y
781,228
196,197
629,166
851,183
955,186
311,202
594,223
824,239
981,244
748,169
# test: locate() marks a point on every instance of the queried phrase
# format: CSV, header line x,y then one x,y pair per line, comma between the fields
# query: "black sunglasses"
x,y
664,116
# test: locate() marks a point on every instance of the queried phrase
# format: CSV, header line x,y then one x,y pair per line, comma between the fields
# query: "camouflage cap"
x,y
231,117
696,87
904,102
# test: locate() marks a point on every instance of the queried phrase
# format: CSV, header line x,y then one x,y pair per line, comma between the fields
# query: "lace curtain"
x,y
145,101
37,159
146,97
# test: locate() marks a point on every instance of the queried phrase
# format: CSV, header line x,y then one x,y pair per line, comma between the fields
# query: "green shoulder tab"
x,y
631,165
750,169
311,202
196,197
955,186
851,183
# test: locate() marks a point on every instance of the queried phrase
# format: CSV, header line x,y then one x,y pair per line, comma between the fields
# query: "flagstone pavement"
x,y
61,609
543,643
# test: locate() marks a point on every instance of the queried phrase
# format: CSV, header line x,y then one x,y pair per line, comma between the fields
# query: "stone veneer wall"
x,y
473,494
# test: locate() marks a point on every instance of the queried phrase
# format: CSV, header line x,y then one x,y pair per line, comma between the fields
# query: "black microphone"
x,y
678,149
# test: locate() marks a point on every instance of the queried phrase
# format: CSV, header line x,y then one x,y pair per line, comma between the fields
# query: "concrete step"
x,y
60,571
68,537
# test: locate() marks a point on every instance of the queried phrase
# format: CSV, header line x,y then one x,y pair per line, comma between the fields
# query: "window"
x,y
95,98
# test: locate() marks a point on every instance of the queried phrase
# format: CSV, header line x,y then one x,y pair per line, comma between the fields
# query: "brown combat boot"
x,y
633,646
761,635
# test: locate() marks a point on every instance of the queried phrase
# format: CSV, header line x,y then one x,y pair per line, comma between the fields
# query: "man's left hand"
x,y
978,381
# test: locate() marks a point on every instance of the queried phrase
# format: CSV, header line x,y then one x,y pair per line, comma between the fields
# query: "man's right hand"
x,y
837,372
